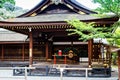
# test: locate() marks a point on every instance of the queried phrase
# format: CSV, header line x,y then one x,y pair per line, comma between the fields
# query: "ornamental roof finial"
x,y
56,1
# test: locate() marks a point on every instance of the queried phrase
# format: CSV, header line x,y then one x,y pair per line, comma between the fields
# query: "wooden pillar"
x,y
23,52
65,60
30,47
119,65
54,59
2,56
46,50
108,54
90,50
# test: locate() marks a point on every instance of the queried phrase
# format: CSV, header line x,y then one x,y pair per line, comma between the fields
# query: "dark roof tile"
x,y
53,18
6,35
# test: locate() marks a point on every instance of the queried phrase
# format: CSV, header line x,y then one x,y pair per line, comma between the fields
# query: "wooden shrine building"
x,y
45,28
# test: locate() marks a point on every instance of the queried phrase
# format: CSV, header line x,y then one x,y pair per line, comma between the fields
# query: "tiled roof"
x,y
54,18
6,35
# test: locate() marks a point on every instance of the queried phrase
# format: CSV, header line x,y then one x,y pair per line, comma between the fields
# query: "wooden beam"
x,y
30,48
108,54
2,57
46,50
23,52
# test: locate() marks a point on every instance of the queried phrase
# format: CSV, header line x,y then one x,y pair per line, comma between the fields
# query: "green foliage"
x,y
108,6
88,31
111,6
4,1
9,10
116,34
8,6
6,14
115,39
114,58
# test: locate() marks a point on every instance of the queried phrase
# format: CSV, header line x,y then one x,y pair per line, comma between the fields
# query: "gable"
x,y
58,6
56,9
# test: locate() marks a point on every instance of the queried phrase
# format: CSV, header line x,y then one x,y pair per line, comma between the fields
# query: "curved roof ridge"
x,y
46,3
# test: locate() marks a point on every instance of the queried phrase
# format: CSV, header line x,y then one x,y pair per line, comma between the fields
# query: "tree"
x,y
111,6
9,10
4,1
6,14
88,31
108,6
115,40
8,6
